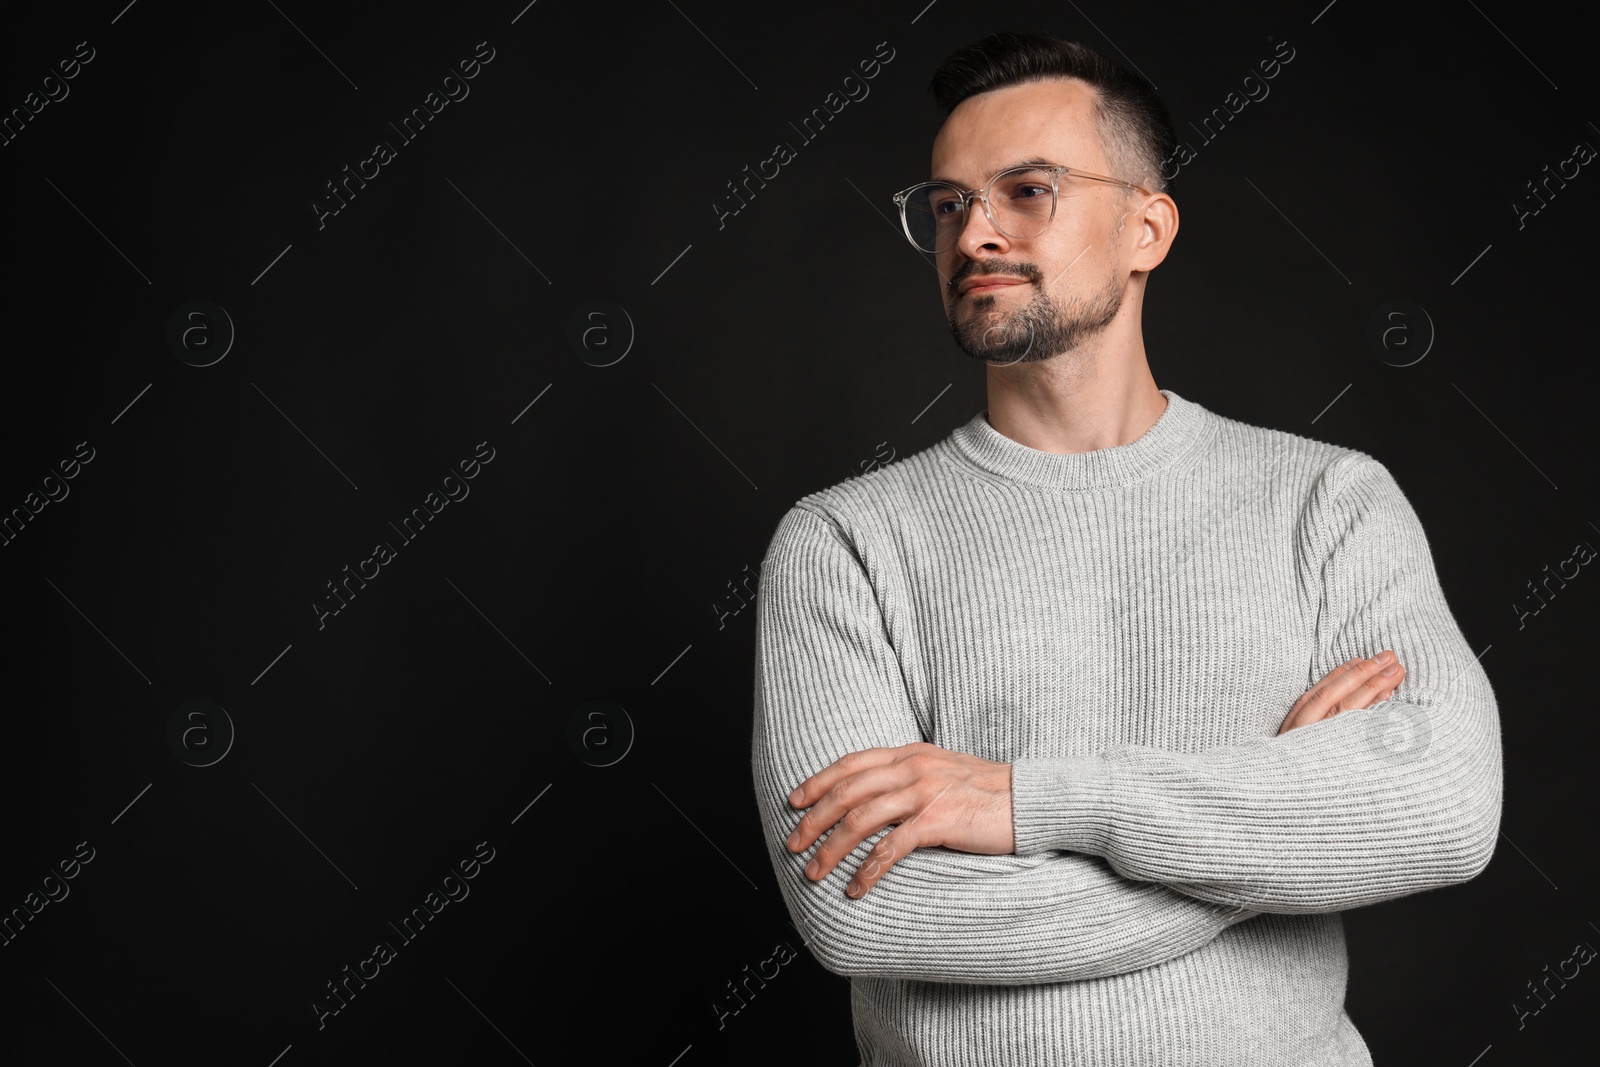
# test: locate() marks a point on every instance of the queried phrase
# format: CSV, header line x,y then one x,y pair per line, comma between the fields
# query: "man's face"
x,y
1069,281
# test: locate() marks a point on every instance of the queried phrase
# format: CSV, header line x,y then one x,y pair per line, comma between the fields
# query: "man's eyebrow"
x,y
1009,166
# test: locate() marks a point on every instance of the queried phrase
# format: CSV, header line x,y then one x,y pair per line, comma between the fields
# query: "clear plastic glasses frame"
x,y
1056,173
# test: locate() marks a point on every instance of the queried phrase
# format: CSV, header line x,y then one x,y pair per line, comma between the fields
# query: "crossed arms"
x,y
1134,856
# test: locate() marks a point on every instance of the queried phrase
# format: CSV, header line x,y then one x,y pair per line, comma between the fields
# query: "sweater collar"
x,y
1177,428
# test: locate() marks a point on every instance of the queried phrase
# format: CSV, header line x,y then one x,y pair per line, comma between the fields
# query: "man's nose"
x,y
977,229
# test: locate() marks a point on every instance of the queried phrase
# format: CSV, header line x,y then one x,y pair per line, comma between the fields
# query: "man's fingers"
x,y
1353,684
856,826
1372,689
1316,691
1318,701
807,792
1377,688
1343,679
894,845
847,794
847,782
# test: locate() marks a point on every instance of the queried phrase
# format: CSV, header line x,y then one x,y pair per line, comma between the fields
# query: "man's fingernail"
x,y
853,889
792,840
811,868
1391,670
794,798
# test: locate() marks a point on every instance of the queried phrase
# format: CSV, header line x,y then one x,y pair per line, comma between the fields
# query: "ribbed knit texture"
x,y
1128,627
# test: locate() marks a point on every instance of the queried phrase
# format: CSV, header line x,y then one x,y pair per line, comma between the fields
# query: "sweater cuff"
x,y
1062,803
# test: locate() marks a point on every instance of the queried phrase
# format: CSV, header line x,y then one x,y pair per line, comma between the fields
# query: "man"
x,y
1095,709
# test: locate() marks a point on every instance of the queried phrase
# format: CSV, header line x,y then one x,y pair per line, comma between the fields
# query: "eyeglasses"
x,y
1019,202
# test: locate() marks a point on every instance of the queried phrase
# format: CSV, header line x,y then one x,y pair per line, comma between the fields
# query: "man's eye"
x,y
1028,192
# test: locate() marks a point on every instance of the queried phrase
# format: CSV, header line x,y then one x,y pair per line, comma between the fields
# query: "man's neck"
x,y
1038,406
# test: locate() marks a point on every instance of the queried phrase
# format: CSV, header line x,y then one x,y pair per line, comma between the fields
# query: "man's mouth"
x,y
989,285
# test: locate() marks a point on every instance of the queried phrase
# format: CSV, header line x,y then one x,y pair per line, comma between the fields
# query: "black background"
x,y
598,555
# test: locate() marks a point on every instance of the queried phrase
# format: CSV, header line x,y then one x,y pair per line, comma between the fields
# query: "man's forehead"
x,y
1051,120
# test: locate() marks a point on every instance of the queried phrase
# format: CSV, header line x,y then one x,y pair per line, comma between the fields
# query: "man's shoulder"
x,y
893,495
1286,455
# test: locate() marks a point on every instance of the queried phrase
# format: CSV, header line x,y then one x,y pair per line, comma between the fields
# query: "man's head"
x,y
1012,98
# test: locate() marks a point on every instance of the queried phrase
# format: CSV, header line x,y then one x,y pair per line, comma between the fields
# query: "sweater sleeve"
x,y
1373,804
828,683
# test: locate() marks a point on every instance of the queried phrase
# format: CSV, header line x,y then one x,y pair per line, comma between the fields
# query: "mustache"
x,y
993,266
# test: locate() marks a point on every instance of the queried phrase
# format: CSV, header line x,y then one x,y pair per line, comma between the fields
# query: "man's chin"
x,y
1001,343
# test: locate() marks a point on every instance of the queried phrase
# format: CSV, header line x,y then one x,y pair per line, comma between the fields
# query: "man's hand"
x,y
1356,683
932,796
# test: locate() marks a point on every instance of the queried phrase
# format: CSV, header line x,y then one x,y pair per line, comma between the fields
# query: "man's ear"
x,y
1158,225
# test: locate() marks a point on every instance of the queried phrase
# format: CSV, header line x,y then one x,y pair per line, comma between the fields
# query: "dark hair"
x,y
1135,129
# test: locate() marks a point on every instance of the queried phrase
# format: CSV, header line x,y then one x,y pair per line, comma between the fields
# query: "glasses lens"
x,y
934,215
1023,201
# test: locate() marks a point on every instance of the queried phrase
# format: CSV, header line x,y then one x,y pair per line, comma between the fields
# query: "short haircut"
x,y
1134,126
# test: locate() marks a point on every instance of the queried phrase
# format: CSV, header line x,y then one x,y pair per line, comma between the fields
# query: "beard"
x,y
1037,331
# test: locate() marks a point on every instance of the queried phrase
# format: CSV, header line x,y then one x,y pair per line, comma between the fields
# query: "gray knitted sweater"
x,y
1128,628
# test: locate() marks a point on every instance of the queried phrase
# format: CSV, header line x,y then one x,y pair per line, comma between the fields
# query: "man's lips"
x,y
989,285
